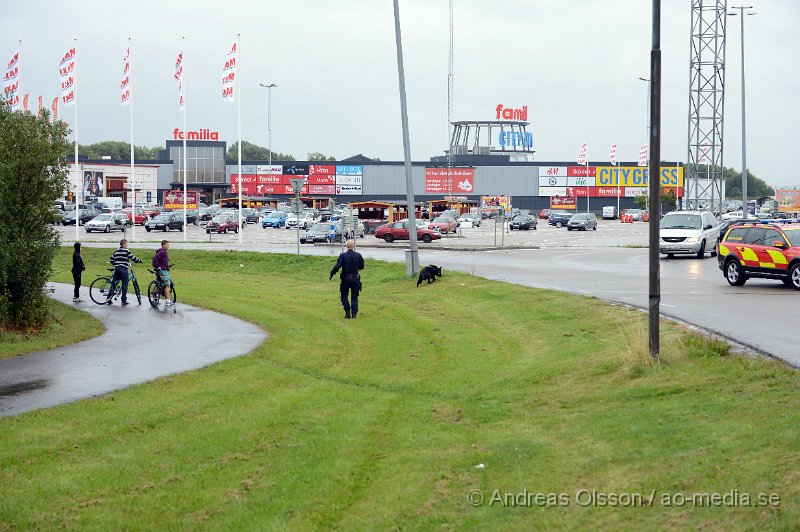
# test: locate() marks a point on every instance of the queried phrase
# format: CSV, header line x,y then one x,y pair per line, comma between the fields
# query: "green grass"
x,y
68,326
379,423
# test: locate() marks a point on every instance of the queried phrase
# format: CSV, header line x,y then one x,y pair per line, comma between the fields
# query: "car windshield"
x,y
681,221
320,228
579,217
520,218
103,217
162,217
793,235
441,219
634,211
220,218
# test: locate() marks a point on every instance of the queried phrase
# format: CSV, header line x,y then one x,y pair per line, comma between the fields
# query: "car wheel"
x,y
427,239
388,237
794,276
568,228
701,254
559,224
734,273
714,249
535,227
106,230
147,229
594,228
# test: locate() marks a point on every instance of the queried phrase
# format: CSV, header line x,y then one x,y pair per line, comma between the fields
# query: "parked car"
x,y
321,232
206,213
139,216
222,223
165,221
559,218
523,221
582,221
305,220
765,250
609,212
421,224
353,227
251,216
400,231
108,222
274,219
635,214
152,210
86,214
191,215
444,224
470,217
544,214
450,213
688,233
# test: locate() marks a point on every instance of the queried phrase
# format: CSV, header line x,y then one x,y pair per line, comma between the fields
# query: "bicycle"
x,y
100,289
156,290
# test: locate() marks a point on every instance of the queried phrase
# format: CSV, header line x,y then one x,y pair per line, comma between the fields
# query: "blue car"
x,y
274,219
559,218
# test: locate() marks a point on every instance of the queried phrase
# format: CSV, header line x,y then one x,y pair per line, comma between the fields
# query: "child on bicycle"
x,y
161,265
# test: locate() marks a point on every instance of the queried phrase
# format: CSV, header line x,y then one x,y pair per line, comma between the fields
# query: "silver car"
x,y
107,222
688,233
582,221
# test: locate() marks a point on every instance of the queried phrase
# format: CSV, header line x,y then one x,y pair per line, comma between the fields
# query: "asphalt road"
x,y
610,263
139,345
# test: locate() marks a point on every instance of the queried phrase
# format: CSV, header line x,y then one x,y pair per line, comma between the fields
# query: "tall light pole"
x,y
744,136
269,116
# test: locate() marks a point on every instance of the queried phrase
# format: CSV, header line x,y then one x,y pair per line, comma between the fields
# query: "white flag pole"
x,y
616,167
130,104
77,168
238,97
183,95
586,166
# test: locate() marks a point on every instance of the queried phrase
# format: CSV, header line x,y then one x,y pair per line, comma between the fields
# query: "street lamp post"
x,y
269,116
744,136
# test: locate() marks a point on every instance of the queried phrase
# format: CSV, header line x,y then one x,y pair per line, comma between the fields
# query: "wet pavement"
x,y
139,345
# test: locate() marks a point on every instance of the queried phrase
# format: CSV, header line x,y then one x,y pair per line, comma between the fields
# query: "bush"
x,y
33,173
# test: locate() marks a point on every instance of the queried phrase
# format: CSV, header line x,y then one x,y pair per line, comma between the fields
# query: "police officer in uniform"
x,y
350,262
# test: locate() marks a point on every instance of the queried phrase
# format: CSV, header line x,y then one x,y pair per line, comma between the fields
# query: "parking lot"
x,y
609,233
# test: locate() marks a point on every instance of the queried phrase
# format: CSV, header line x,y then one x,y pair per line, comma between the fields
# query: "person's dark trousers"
x,y
351,286
120,275
77,278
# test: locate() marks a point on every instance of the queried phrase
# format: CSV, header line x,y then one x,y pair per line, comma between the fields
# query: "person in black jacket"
x,y
77,269
350,262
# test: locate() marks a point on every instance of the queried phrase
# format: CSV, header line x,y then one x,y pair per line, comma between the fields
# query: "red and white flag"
x,y
643,155
613,154
179,78
67,71
55,109
25,103
582,154
11,82
229,74
702,154
125,83
41,106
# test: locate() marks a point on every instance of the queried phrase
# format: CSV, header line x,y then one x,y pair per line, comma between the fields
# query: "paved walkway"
x,y
140,344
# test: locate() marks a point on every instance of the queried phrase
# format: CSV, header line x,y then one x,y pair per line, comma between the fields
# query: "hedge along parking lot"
x,y
386,421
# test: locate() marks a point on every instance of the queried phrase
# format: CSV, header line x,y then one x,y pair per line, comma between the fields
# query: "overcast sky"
x,y
574,63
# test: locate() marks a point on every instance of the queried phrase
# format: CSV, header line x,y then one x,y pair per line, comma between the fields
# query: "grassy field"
x,y
68,326
394,420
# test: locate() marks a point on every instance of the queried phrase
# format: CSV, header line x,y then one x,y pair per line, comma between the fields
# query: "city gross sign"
x,y
636,176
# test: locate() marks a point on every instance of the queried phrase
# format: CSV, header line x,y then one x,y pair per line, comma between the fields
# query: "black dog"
x,y
429,273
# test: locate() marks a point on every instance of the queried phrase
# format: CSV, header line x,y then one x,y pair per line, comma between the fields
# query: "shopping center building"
x,y
485,159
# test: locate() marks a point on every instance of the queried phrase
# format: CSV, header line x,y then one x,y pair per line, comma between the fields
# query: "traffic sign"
x,y
297,184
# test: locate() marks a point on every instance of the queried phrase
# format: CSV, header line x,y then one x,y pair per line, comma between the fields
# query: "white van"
x,y
688,233
110,203
609,212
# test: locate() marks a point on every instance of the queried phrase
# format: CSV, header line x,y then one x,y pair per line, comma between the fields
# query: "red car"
x,y
139,215
544,214
444,224
399,231
222,223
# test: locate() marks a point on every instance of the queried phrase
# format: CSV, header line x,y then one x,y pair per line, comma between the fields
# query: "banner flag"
x,y
125,84
179,78
25,103
613,155
67,72
229,74
55,109
582,155
643,155
11,82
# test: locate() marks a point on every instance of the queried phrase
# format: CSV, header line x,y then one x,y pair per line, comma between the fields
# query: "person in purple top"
x,y
161,264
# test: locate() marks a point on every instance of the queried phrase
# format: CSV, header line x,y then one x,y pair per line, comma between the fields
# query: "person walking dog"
x,y
77,269
350,262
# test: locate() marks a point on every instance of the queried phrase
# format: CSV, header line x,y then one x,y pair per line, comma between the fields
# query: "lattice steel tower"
x,y
704,181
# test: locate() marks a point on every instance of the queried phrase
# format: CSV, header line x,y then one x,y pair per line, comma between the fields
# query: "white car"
x,y
732,215
469,218
688,233
106,222
305,221
421,224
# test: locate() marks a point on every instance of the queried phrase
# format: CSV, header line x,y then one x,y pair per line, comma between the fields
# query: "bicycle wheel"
x,y
153,294
138,292
172,294
100,290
